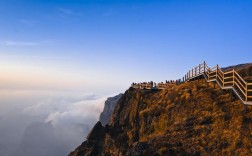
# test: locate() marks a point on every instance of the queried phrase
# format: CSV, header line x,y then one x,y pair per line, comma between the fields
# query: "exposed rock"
x,y
108,109
94,143
174,121
97,132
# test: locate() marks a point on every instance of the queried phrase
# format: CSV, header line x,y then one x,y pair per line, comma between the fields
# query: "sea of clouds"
x,y
46,123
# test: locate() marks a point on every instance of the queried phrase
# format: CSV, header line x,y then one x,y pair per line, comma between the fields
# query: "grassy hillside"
x,y
194,118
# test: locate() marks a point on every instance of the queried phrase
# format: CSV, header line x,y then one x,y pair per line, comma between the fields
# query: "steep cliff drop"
x,y
193,118
108,109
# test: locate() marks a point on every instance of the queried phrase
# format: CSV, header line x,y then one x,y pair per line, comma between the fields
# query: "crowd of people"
x,y
153,85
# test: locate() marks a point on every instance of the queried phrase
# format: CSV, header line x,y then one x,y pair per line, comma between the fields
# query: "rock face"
x,y
108,109
194,118
94,145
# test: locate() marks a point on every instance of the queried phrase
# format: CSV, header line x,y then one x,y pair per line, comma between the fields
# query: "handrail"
x,y
228,72
240,77
233,81
244,87
221,71
220,74
212,76
238,84
211,72
240,89
220,79
228,77
214,68
228,82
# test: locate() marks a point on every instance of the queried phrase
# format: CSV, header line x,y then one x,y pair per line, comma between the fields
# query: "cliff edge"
x,y
108,109
193,118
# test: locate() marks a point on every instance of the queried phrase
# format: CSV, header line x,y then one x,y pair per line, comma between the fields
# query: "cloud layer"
x,y
48,126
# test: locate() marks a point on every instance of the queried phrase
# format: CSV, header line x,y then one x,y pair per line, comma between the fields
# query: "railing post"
x,y
217,67
223,80
233,77
195,71
204,66
199,68
208,71
246,91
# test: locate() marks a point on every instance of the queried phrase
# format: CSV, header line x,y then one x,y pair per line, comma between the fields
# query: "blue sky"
x,y
101,45
60,60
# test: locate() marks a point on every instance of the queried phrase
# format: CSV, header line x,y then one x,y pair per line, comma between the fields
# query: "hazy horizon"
x,y
60,60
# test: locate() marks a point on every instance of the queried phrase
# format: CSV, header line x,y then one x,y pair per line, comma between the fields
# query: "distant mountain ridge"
x,y
245,70
238,67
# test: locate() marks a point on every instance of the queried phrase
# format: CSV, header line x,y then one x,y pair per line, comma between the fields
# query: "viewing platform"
x,y
155,86
226,80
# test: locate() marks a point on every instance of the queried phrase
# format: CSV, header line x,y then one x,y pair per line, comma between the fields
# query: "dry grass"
x,y
198,114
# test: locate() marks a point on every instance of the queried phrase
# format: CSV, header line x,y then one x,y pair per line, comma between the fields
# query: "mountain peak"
x,y
192,118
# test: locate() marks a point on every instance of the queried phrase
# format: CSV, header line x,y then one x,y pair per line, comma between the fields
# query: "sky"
x,y
61,59
99,45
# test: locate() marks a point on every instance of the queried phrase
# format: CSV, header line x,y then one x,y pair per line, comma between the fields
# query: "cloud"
x,y
18,43
53,125
64,12
27,22
42,139
78,112
68,110
86,111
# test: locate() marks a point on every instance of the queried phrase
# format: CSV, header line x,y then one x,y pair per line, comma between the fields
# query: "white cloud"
x,y
64,12
69,110
71,115
18,43
85,111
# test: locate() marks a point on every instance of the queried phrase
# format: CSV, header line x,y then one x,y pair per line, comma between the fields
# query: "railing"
x,y
226,80
153,85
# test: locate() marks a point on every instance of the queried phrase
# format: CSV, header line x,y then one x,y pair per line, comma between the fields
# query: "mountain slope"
x,y
194,118
245,70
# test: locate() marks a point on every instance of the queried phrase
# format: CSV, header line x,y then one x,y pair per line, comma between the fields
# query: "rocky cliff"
x,y
194,118
108,109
